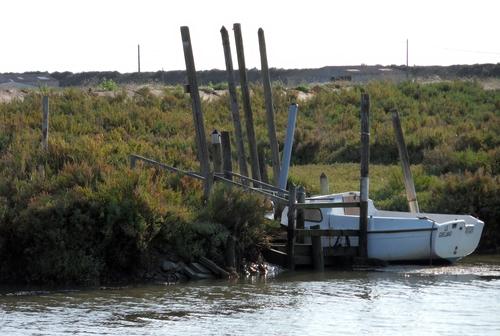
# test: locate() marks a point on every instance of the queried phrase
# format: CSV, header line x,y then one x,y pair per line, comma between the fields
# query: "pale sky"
x,y
87,35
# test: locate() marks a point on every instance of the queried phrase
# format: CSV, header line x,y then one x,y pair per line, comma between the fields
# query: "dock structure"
x,y
290,251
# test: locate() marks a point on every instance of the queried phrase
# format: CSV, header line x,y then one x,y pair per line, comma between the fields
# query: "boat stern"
x,y
456,239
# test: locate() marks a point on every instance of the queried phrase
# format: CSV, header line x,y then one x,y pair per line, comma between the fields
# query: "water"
x,y
411,300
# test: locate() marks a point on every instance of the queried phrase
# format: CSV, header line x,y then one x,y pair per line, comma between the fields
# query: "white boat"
x,y
397,236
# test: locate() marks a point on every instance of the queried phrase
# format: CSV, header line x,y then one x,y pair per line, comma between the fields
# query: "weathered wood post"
x,y
233,102
247,107
411,195
364,180
323,184
318,257
292,194
45,122
263,165
268,97
201,141
216,151
230,253
301,198
227,162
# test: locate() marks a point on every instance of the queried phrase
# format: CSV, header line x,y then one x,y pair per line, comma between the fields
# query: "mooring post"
x,y
201,141
268,97
292,194
263,165
227,162
247,107
233,102
364,180
411,195
323,184
318,257
287,151
45,122
301,198
216,151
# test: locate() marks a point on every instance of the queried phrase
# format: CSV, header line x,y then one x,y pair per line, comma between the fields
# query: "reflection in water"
x,y
462,299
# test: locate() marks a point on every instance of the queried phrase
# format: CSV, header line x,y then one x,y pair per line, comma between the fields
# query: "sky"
x,y
102,35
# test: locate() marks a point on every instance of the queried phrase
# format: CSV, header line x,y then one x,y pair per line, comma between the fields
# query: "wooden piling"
x,y
364,180
292,194
233,102
247,107
317,255
216,151
411,195
201,141
45,122
262,165
323,184
301,198
268,97
227,162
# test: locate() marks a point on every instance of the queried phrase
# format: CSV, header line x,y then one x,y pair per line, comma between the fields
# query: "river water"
x,y
412,300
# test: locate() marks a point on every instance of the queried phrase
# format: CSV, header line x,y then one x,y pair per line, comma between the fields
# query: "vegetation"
x,y
78,214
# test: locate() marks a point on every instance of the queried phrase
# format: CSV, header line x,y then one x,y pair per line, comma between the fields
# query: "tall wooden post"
x,y
233,102
292,194
268,96
216,151
364,180
323,184
317,255
227,162
411,195
45,122
201,140
301,198
245,94
263,165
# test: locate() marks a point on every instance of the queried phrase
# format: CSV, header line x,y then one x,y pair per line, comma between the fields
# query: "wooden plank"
x,y
247,107
411,195
233,102
214,267
268,98
201,140
364,170
135,157
291,227
319,205
325,233
256,190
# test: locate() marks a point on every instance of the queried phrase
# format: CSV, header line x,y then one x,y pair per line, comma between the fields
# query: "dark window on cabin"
x,y
313,215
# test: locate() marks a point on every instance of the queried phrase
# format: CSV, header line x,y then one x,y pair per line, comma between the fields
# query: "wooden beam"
x,y
364,179
318,258
233,102
268,98
325,233
201,140
291,227
216,151
247,107
227,162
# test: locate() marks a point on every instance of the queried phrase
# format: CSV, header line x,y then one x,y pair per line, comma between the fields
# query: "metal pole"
x,y
247,107
364,170
45,123
196,107
233,101
287,152
411,195
268,96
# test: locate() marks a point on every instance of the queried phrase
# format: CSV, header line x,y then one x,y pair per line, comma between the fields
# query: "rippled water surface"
x,y
410,300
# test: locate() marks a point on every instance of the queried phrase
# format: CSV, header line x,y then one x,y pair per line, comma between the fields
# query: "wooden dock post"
x,y
262,165
301,198
268,97
318,257
292,197
216,151
323,184
45,122
364,180
233,102
411,195
201,140
247,107
227,162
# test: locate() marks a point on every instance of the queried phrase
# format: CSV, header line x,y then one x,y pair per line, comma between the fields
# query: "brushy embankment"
x,y
78,214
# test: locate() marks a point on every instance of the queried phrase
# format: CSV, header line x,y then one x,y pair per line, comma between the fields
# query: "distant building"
x,y
27,81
